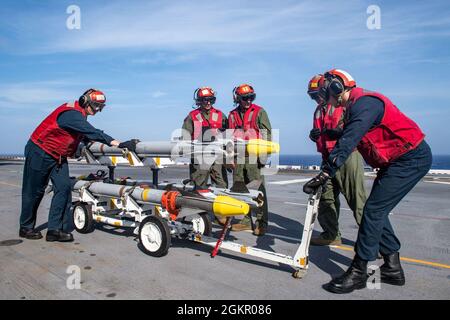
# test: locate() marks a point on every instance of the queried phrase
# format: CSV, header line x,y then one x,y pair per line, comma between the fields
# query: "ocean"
x,y
441,162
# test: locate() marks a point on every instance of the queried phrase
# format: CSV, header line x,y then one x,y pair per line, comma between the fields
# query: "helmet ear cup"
x,y
336,87
235,95
82,101
85,99
195,96
333,86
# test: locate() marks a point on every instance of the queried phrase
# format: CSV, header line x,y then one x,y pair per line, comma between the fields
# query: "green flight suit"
x,y
349,181
249,172
217,172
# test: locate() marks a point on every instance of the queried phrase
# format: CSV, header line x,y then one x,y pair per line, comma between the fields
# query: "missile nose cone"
x,y
262,147
228,206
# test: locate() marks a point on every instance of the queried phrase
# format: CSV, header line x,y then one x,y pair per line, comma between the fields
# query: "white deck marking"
x,y
304,205
290,181
440,182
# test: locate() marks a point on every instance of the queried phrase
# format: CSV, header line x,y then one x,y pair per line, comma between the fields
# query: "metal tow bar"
x,y
223,233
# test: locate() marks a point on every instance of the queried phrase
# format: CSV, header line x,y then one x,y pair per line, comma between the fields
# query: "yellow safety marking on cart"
x,y
117,223
157,161
302,261
114,160
99,219
130,159
243,249
424,262
112,203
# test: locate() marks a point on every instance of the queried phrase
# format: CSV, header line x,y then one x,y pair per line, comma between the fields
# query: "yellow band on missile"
x,y
262,147
228,206
145,194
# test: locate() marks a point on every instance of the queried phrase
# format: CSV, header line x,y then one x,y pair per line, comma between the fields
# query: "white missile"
x,y
254,198
184,148
170,200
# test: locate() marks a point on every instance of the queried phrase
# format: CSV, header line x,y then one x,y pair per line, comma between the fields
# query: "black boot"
x,y
29,233
57,235
354,278
391,271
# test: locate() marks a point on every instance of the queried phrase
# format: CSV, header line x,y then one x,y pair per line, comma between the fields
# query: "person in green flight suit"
x,y
250,121
349,179
204,123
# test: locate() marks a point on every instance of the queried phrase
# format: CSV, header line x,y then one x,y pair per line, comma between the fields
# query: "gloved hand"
x,y
79,153
335,133
230,167
315,183
130,144
314,134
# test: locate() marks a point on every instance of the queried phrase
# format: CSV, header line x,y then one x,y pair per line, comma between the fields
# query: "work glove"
x,y
315,183
230,167
314,134
79,152
335,133
130,144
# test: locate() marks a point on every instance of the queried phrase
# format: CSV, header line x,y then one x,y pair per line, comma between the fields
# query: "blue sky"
x,y
149,56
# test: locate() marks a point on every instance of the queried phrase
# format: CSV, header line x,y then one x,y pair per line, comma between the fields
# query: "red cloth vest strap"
x,y
54,140
394,136
327,118
246,128
201,124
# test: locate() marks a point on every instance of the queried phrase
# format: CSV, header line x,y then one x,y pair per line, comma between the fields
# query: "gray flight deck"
x,y
112,267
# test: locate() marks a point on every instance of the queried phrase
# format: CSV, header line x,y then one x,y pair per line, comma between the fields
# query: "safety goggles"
x,y
316,96
97,106
247,97
211,100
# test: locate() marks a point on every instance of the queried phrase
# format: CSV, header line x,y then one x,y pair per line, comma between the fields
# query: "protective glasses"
x,y
314,95
247,97
97,106
211,100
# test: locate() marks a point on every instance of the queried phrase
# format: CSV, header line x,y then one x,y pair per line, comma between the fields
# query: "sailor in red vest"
x,y
349,179
390,141
250,121
204,124
46,153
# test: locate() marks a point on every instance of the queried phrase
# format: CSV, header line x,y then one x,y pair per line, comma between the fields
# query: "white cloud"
x,y
24,94
158,94
262,25
323,30
164,58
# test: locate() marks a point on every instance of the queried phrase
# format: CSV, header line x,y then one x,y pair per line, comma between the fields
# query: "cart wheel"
x,y
154,236
299,274
202,224
82,218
